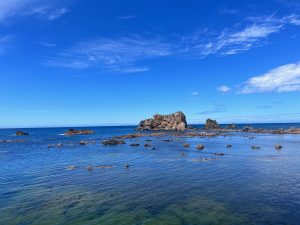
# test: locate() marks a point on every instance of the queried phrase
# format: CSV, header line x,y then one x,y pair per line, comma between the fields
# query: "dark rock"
x,y
78,132
153,148
126,166
248,129
147,145
231,126
229,146
219,154
211,124
255,147
175,121
21,133
134,145
278,147
167,140
82,143
186,145
200,147
113,142
89,168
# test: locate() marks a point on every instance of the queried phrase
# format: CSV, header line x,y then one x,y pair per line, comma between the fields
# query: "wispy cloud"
x,y
224,89
285,78
227,11
241,38
4,40
119,54
47,12
195,93
127,17
41,9
218,108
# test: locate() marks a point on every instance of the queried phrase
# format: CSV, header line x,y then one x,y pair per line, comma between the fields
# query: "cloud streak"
x,y
119,54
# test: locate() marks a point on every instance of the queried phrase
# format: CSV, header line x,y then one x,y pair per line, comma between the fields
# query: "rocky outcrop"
x,y
211,124
78,132
113,142
175,121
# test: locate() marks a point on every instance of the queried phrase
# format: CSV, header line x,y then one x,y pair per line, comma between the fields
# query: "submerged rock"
x,y
211,124
255,147
113,142
147,145
175,121
134,145
21,133
229,146
186,145
78,132
278,147
219,154
200,147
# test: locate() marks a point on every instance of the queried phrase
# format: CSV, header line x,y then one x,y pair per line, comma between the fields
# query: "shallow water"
x,y
168,185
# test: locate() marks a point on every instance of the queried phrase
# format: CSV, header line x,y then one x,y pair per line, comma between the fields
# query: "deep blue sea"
x,y
168,185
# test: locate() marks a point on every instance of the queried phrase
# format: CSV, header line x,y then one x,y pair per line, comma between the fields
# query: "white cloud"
x,y
224,89
285,78
195,93
120,54
127,17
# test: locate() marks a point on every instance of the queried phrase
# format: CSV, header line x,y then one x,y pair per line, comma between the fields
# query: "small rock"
x,y
148,140
167,140
153,148
147,145
219,154
186,145
126,166
229,146
82,143
278,147
182,154
89,168
200,147
21,133
255,147
134,145
104,166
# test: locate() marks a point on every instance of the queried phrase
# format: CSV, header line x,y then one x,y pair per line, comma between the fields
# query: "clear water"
x,y
161,186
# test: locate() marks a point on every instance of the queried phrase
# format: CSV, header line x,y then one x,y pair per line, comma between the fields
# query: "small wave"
x,y
62,134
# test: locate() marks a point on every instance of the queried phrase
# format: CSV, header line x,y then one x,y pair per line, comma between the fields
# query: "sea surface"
x,y
163,184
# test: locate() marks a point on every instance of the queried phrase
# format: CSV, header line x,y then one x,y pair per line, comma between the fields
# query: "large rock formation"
x,y
175,121
211,124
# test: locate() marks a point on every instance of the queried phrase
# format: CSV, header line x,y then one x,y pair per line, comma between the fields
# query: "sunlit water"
x,y
168,185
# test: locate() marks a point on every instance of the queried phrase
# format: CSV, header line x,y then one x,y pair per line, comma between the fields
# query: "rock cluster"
x,y
231,126
77,132
211,124
175,122
113,142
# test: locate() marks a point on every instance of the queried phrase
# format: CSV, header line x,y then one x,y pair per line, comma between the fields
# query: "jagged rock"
x,y
175,121
78,132
200,147
211,124
21,133
232,126
113,142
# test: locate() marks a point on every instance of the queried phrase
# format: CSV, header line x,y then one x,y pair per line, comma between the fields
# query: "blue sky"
x,y
81,63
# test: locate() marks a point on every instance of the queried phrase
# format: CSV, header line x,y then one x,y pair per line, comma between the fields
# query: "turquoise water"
x,y
168,185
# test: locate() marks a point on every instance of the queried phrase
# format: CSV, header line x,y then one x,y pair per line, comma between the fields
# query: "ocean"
x,y
162,184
